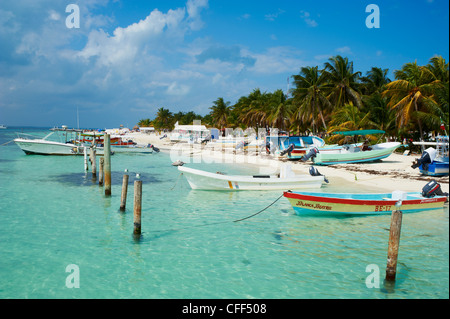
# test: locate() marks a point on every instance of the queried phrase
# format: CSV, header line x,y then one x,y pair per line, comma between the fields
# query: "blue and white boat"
x,y
295,147
353,152
434,161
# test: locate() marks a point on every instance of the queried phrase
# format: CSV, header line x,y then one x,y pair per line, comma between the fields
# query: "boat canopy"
x,y
360,132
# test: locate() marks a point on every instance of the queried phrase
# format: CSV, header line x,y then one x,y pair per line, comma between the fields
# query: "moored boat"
x,y
353,153
434,161
362,204
61,141
203,180
295,147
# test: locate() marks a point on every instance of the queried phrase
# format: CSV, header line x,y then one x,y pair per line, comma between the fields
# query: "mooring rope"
x,y
223,222
176,182
7,143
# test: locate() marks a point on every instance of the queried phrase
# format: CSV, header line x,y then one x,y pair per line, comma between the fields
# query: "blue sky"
x,y
129,58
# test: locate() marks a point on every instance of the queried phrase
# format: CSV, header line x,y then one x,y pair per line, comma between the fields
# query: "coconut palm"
x,y
411,94
220,112
349,118
254,109
144,123
309,97
439,68
279,108
375,81
343,80
164,119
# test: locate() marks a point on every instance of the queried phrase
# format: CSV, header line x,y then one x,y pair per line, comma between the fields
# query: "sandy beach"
x,y
390,174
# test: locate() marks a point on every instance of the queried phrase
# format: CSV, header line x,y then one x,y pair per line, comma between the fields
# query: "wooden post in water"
x,y
123,197
100,171
86,168
94,164
394,243
107,164
137,207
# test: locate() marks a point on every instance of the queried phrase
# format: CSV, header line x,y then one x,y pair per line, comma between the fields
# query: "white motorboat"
x,y
203,180
60,141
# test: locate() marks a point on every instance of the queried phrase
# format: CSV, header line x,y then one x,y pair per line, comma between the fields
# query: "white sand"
x,y
390,174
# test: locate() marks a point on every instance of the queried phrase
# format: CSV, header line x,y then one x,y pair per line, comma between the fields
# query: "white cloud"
x,y
273,16
53,15
276,60
194,8
305,15
177,89
344,50
125,43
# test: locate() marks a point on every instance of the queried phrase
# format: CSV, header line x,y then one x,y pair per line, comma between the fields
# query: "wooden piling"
x,y
107,164
85,159
394,243
94,164
100,171
137,207
123,197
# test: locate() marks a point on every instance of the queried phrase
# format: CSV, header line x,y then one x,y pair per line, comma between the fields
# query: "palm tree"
x,y
309,97
164,119
411,94
339,73
279,110
380,113
220,112
349,118
254,109
375,80
144,123
439,68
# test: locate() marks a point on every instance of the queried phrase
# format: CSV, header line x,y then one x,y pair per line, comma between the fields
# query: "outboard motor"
x,y
427,157
311,153
155,148
432,189
268,147
314,172
288,150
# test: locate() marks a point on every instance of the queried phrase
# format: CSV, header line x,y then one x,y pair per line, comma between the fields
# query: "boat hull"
x,y
201,180
45,147
435,169
343,157
359,204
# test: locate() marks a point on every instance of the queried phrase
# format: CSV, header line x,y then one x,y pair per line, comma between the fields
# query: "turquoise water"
x,y
53,215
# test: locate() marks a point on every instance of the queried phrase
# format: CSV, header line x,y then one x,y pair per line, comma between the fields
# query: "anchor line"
x,y
176,182
224,222
7,143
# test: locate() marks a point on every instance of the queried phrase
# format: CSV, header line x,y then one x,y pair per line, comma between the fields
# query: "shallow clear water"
x,y
53,215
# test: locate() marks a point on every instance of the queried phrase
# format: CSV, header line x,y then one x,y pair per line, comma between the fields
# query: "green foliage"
x,y
336,97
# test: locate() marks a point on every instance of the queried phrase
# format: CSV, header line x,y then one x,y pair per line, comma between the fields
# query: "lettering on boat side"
x,y
373,19
382,208
73,280
313,206
373,280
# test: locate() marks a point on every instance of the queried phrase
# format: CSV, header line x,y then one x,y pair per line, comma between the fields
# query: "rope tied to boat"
x,y
7,143
238,220
228,221
176,182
